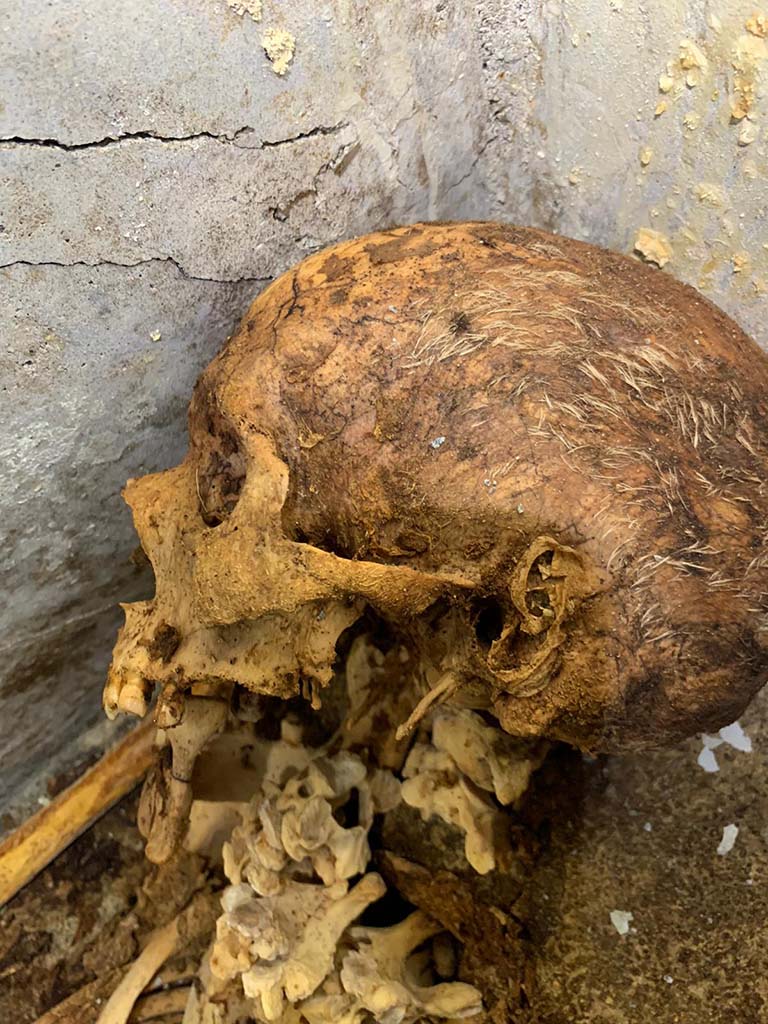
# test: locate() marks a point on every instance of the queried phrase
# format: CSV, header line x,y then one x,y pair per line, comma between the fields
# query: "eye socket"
x,y
219,478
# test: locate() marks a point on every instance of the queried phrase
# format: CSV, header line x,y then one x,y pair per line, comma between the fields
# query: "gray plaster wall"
x,y
156,173
607,117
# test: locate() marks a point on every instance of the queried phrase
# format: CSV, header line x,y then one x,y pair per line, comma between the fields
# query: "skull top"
x,y
541,465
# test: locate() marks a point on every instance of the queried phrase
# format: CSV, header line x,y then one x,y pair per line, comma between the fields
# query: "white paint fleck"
x,y
730,832
708,761
621,920
437,443
735,737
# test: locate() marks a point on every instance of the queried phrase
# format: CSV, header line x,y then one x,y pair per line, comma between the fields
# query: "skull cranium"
x,y
543,465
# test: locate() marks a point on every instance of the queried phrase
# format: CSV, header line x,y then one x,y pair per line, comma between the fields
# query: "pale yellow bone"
x,y
196,919
443,689
167,815
35,844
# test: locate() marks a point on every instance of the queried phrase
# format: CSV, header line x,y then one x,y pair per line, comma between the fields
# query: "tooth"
x,y
170,707
111,695
134,695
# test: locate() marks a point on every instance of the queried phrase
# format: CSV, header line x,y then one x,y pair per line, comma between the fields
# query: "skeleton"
x,y
538,467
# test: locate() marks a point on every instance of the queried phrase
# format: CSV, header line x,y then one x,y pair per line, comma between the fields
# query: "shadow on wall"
x,y
98,397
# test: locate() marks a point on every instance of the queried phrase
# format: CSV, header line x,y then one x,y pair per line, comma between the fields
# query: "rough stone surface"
x,y
579,148
94,399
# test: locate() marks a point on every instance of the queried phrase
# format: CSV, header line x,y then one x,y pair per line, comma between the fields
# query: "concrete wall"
x,y
614,116
157,172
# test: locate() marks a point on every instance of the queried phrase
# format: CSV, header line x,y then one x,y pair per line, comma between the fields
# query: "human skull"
x,y
541,464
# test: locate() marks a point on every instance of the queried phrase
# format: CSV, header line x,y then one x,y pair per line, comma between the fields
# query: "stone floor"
x,y
640,834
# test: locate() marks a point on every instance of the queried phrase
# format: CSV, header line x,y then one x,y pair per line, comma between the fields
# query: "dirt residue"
x,y
74,929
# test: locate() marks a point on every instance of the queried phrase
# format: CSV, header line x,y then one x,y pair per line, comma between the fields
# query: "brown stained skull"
x,y
542,464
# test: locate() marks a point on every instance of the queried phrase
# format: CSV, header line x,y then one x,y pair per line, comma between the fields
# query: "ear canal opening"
x,y
488,621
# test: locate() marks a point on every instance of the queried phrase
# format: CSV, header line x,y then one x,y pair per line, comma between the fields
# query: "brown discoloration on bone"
x,y
164,643
493,953
403,243
582,398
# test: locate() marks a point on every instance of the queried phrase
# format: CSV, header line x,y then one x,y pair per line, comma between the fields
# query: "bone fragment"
x,y
166,816
43,836
441,691
196,919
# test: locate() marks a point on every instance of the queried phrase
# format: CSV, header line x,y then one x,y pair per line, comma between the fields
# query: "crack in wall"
x,y
226,138
332,129
280,211
139,263
475,163
336,163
